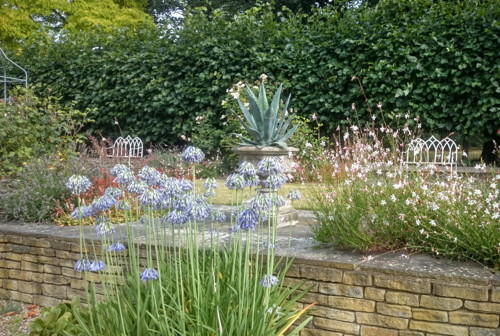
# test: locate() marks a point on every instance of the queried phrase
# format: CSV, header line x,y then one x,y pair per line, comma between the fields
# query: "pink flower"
x,y
313,117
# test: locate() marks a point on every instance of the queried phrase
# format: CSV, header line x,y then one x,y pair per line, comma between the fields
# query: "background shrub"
x,y
437,59
35,125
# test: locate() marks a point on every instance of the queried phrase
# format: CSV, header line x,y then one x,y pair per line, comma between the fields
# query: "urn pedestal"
x,y
287,215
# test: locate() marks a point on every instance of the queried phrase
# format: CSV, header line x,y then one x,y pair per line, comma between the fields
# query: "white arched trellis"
x,y
432,152
12,74
127,147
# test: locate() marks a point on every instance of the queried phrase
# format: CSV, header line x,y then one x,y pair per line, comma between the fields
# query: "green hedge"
x,y
438,60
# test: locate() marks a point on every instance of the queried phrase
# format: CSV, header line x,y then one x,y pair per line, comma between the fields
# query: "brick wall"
x,y
352,298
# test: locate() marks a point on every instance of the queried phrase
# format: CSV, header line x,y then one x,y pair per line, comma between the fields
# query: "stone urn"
x,y
287,215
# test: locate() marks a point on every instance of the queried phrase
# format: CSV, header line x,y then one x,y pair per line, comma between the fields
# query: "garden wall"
x,y
395,295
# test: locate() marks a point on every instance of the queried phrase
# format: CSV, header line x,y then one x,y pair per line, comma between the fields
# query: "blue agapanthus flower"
x,y
192,155
116,247
150,197
217,215
278,201
125,177
176,217
210,183
149,175
171,187
252,180
184,202
247,169
82,212
248,220
260,202
113,192
235,181
96,266
78,184
199,211
186,185
275,181
82,265
103,203
104,227
137,187
294,195
119,169
149,274
270,165
269,280
123,205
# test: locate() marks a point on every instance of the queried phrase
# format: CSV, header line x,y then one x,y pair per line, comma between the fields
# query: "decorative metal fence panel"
x,y
127,147
432,152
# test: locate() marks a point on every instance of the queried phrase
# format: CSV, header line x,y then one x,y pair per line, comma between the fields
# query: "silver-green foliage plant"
x,y
265,125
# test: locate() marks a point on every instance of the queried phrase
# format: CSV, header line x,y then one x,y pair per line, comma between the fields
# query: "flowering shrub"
x,y
172,287
367,201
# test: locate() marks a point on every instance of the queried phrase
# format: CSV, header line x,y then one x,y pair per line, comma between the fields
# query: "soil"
x,y
15,317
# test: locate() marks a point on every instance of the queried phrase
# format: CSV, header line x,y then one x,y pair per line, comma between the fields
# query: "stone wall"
x,y
394,295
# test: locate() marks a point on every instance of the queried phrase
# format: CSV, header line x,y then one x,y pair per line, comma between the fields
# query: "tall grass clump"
x,y
367,200
171,270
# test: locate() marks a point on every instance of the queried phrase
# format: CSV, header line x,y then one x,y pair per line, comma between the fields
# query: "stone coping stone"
x,y
296,241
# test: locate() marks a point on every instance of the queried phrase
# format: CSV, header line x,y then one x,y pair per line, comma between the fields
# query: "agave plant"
x,y
265,125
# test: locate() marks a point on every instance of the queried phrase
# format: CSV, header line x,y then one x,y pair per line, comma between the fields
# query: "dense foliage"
x,y
36,125
437,59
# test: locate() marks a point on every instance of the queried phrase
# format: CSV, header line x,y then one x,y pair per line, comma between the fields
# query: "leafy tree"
x,y
23,18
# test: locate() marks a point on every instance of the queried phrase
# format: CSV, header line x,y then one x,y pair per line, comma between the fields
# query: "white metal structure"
x,y
432,152
11,75
127,147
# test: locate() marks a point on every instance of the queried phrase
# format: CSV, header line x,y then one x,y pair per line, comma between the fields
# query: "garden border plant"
x,y
184,285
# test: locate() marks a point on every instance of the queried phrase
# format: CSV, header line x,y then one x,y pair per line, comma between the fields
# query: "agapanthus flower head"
x,y
277,201
113,192
247,169
184,202
218,215
171,187
235,181
210,183
137,187
123,205
150,197
252,180
192,155
103,203
248,219
294,195
104,227
82,265
82,212
149,175
176,217
149,274
269,280
209,193
78,184
270,165
260,202
275,181
96,266
125,177
199,211
119,169
116,247
186,185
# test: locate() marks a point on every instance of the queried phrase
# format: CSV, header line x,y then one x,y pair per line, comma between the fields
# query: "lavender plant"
x,y
174,271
